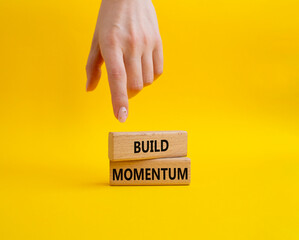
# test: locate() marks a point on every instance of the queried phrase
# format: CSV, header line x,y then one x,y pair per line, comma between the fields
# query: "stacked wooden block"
x,y
149,158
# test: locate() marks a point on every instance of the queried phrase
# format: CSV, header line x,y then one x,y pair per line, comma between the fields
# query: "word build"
x,y
162,171
147,145
150,145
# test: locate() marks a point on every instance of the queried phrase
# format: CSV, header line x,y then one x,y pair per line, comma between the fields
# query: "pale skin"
x,y
127,39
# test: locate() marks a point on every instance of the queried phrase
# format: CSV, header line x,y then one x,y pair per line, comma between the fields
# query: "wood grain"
x,y
147,145
163,171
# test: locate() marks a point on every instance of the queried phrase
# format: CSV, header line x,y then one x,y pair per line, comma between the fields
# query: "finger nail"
x,y
122,114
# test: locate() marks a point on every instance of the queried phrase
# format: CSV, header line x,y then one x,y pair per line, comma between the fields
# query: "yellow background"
x,y
231,80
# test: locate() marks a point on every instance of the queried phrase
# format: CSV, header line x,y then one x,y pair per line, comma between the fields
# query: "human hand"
x,y
127,39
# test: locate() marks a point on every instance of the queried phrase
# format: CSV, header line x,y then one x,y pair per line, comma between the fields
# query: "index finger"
x,y
113,58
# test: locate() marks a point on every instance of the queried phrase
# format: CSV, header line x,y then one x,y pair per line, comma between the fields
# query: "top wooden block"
x,y
147,145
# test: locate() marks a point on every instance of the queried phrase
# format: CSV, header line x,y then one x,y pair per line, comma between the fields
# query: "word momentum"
x,y
163,171
147,145
150,174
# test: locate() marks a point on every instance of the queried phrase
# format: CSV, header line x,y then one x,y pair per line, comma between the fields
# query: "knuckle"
x,y
134,38
116,73
110,39
157,39
145,39
135,87
138,39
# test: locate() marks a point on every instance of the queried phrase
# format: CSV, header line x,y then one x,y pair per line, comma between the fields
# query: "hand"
x,y
127,38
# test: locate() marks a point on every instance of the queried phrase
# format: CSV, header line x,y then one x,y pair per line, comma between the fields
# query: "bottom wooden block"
x,y
162,171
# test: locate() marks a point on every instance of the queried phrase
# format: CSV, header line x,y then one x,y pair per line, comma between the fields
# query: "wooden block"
x,y
162,171
147,145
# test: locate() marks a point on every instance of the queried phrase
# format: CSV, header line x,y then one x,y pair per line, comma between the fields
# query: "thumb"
x,y
93,66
